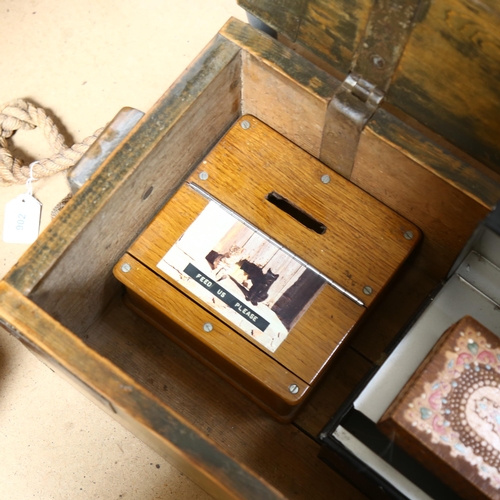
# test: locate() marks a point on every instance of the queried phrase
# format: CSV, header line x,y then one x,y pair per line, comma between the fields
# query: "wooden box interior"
x,y
75,316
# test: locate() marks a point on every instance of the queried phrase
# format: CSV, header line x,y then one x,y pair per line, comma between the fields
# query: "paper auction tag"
x,y
22,219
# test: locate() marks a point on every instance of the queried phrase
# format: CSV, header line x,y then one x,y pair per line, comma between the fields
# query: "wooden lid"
x,y
438,61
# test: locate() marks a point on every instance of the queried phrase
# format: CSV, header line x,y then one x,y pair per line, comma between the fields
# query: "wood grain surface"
x,y
448,75
315,338
229,354
364,242
282,89
68,271
333,30
146,172
446,215
450,39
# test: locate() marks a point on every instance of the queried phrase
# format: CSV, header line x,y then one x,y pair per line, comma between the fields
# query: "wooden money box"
x,y
448,413
263,263
399,98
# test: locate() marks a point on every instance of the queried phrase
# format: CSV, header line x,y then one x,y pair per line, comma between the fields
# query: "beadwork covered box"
x,y
448,413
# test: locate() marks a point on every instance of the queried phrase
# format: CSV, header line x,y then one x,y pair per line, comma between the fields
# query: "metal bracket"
x,y
387,31
350,108
376,58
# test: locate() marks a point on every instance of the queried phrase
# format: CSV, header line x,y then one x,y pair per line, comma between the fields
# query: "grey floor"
x,y
84,61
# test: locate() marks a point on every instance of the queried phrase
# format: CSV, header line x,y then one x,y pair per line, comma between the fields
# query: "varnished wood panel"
x,y
445,215
282,454
282,89
144,173
249,369
312,341
364,242
448,75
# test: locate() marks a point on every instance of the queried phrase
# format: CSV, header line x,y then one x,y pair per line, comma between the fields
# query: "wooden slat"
x,y
448,75
445,215
463,176
309,345
248,369
283,15
176,439
364,242
281,88
332,30
104,217
451,38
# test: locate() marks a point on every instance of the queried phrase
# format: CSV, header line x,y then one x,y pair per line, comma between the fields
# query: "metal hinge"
x,y
352,105
373,66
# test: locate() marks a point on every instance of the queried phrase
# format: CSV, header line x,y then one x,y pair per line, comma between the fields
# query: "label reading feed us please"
x,y
242,276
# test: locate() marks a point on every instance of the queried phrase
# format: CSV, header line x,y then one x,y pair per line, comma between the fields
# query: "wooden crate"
x,y
63,302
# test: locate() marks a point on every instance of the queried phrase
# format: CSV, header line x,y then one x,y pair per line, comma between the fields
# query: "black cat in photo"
x,y
261,282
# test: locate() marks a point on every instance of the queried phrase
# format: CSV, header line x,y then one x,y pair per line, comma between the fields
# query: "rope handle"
x,y
23,115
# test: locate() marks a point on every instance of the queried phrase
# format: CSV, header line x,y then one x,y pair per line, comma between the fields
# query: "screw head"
x,y
367,290
377,61
126,268
245,124
408,235
325,179
203,176
294,388
208,327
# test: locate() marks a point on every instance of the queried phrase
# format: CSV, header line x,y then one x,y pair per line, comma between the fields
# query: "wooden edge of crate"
x,y
414,144
435,158
164,429
281,58
121,163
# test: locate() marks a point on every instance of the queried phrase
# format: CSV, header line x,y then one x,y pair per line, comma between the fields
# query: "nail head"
x,y
378,61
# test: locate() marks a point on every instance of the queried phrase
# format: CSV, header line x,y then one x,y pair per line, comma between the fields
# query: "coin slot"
x,y
298,214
